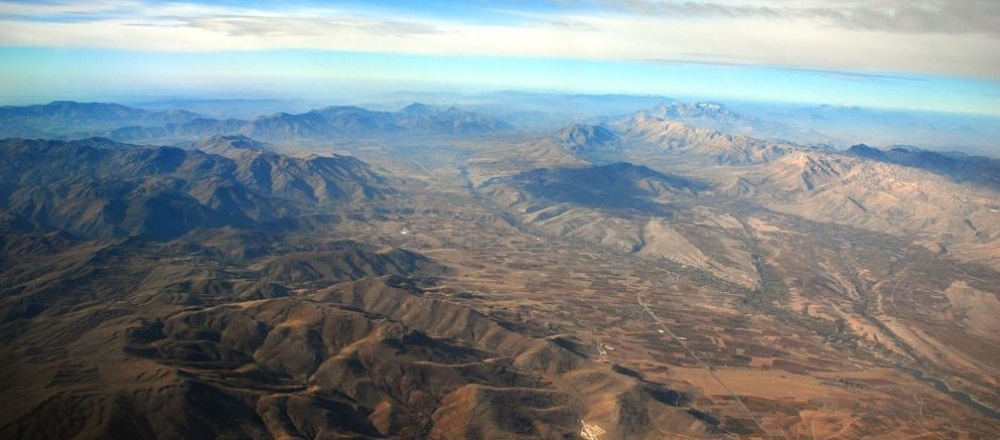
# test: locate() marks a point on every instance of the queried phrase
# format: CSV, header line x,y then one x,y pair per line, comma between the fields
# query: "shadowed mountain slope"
x,y
113,190
618,185
959,167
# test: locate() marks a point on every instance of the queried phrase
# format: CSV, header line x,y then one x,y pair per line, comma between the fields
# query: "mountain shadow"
x,y
619,185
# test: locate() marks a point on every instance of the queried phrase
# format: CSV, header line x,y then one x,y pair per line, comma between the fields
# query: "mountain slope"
x,y
958,167
619,185
576,144
877,195
306,179
114,190
698,144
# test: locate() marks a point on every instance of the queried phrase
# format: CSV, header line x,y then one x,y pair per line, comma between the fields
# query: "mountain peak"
x,y
227,145
692,110
418,108
586,136
865,151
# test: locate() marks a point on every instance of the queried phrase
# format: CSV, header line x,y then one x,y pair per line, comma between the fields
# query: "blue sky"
x,y
926,54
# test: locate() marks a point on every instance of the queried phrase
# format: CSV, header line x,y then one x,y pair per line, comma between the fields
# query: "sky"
x,y
909,54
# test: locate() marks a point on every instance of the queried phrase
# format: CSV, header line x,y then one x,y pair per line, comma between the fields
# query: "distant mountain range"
x,y
72,120
67,119
806,124
614,140
171,122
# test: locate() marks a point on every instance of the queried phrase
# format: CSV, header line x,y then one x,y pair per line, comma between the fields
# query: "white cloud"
x,y
851,35
903,16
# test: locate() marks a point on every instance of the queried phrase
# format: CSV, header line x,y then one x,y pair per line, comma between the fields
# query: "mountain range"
x,y
433,272
69,120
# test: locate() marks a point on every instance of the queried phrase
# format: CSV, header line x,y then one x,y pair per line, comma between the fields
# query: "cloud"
x,y
902,16
922,36
917,17
839,74
271,26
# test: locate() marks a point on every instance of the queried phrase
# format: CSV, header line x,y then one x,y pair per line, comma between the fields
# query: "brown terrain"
x,y
640,279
